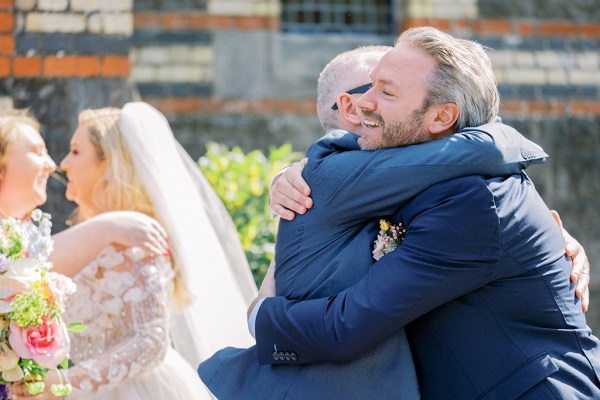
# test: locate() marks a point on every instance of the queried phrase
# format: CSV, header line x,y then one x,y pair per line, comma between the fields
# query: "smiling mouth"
x,y
372,124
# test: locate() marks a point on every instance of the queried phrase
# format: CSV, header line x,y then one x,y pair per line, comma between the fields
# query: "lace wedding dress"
x,y
125,352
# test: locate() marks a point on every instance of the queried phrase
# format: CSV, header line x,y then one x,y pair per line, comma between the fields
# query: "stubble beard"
x,y
401,133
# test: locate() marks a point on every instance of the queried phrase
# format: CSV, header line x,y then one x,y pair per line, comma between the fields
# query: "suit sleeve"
x,y
451,248
352,186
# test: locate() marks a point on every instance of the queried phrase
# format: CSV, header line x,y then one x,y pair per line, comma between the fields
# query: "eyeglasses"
x,y
360,89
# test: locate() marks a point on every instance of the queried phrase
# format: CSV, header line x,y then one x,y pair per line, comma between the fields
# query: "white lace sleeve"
x,y
122,298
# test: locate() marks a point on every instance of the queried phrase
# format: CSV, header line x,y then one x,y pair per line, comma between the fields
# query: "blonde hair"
x,y
10,120
122,189
464,75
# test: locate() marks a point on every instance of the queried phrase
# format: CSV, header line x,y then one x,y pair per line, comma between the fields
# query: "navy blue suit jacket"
x,y
329,249
481,284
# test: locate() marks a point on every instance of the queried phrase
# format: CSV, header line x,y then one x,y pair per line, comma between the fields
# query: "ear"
x,y
348,109
442,118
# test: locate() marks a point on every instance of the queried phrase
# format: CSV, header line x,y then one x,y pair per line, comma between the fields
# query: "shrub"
x,y
242,182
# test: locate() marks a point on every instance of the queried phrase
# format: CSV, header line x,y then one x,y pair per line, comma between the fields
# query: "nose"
x,y
366,101
64,163
50,164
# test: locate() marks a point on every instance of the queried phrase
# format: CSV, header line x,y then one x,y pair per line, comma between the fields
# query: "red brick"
x,y
221,22
7,44
556,109
7,22
524,28
557,29
68,66
6,4
4,66
27,66
178,21
116,66
251,23
175,20
536,107
493,27
585,108
179,105
441,24
514,107
209,105
147,20
589,30
462,25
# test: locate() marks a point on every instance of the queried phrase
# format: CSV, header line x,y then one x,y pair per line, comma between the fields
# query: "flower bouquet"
x,y
389,238
33,336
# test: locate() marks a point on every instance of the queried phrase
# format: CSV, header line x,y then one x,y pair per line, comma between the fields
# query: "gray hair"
x,y
346,71
464,75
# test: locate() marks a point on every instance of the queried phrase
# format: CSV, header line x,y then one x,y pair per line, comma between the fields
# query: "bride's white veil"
x,y
205,245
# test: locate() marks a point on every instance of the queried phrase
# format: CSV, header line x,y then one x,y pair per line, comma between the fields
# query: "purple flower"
x,y
4,264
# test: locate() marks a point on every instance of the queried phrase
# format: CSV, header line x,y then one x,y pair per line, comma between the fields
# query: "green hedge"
x,y
242,182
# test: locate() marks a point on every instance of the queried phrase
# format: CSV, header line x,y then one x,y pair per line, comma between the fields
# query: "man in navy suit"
x,y
480,282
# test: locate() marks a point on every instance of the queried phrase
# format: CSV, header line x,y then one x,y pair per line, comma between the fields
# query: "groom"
x,y
234,374
480,282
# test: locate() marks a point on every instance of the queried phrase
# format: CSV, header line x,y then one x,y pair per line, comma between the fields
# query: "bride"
x,y
134,346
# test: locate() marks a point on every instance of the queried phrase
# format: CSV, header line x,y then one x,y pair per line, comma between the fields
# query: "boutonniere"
x,y
389,238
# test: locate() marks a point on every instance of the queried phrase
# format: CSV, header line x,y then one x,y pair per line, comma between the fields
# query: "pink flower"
x,y
47,343
61,286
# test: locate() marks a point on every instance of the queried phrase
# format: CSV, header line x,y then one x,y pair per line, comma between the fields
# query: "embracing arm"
x,y
415,278
350,185
75,247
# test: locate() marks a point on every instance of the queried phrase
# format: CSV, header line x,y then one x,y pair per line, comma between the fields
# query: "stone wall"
x,y
223,71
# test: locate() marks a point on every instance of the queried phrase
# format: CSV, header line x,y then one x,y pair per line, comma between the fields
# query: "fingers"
x,y
162,233
290,193
580,273
160,237
294,176
585,300
283,212
580,265
156,240
286,199
572,246
581,290
556,218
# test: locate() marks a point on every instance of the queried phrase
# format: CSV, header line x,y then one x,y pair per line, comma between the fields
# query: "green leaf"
x,y
76,327
64,364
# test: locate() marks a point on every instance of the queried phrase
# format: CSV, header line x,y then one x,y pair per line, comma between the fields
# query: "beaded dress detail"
x,y
125,353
